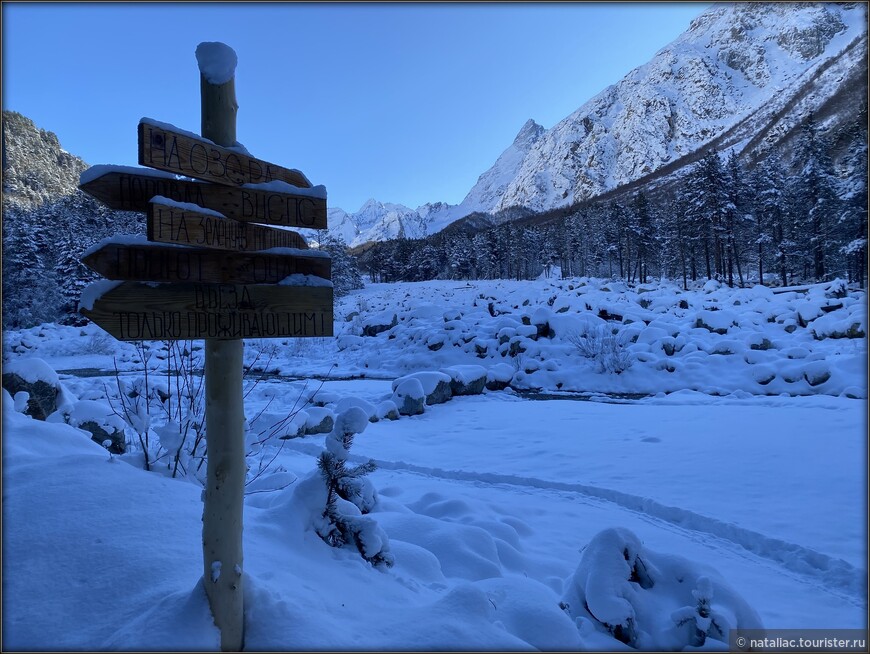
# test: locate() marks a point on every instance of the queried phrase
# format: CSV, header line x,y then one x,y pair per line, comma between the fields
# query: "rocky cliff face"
x,y
36,170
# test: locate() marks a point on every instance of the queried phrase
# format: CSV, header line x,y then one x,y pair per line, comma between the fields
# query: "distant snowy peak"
x,y
379,221
735,60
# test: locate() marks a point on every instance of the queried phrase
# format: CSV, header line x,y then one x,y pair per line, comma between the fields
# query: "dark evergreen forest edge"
x,y
786,219
795,216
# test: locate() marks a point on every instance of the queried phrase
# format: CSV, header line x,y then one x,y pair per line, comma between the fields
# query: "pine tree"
x,y
852,222
30,292
702,620
345,273
770,207
706,204
72,278
642,226
814,194
736,192
350,495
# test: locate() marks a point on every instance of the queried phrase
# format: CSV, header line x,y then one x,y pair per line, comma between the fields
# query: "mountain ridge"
x,y
743,76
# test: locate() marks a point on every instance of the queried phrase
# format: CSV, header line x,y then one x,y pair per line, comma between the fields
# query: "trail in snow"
x,y
833,574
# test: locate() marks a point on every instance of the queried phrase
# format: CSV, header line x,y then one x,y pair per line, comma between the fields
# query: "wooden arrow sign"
x,y
166,263
134,311
189,155
131,192
169,223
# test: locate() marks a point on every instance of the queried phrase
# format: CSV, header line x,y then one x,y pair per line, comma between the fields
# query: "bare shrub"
x,y
603,346
99,343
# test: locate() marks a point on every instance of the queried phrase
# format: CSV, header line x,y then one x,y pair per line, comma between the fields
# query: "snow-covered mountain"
x,y
36,169
491,186
377,221
743,75
736,62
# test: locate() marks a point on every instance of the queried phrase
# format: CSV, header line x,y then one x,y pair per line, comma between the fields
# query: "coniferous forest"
x,y
777,221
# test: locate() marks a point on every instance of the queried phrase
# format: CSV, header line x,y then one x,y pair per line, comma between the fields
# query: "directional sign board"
x,y
131,192
135,311
186,154
169,223
165,263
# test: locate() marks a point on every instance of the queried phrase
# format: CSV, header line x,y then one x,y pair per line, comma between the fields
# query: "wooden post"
x,y
224,418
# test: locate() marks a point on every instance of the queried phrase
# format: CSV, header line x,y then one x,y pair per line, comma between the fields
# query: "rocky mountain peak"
x,y
36,170
528,134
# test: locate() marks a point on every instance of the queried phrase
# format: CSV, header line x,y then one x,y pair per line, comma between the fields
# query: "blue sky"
x,y
405,103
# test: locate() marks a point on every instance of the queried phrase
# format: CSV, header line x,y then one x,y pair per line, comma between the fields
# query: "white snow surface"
x,y
298,279
217,61
495,507
169,127
98,170
186,206
95,290
32,370
280,186
126,239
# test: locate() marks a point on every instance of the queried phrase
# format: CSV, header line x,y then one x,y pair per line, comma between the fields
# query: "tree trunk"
x,y
760,263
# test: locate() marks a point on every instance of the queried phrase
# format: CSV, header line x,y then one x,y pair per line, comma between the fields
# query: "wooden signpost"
x,y
127,191
134,311
173,224
154,263
177,152
220,280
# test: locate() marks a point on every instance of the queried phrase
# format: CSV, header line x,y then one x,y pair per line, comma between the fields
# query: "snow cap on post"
x,y
217,61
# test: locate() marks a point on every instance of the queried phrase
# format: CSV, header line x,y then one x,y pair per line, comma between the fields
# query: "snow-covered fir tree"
x,y
349,495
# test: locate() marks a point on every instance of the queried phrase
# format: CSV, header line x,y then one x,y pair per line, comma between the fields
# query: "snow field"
x,y
481,562
490,502
714,340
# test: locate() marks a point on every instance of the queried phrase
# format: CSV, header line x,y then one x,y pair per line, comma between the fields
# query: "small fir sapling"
x,y
350,495
705,622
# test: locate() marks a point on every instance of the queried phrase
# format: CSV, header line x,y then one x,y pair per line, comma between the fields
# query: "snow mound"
x,y
628,591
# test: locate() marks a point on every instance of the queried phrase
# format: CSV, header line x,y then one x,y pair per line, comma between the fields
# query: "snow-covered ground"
x,y
498,506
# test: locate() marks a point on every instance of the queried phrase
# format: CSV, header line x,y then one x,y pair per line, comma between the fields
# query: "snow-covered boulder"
x,y
838,325
319,420
378,323
346,341
623,589
322,398
817,373
408,396
387,410
349,401
718,322
466,379
36,378
98,420
499,376
436,385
